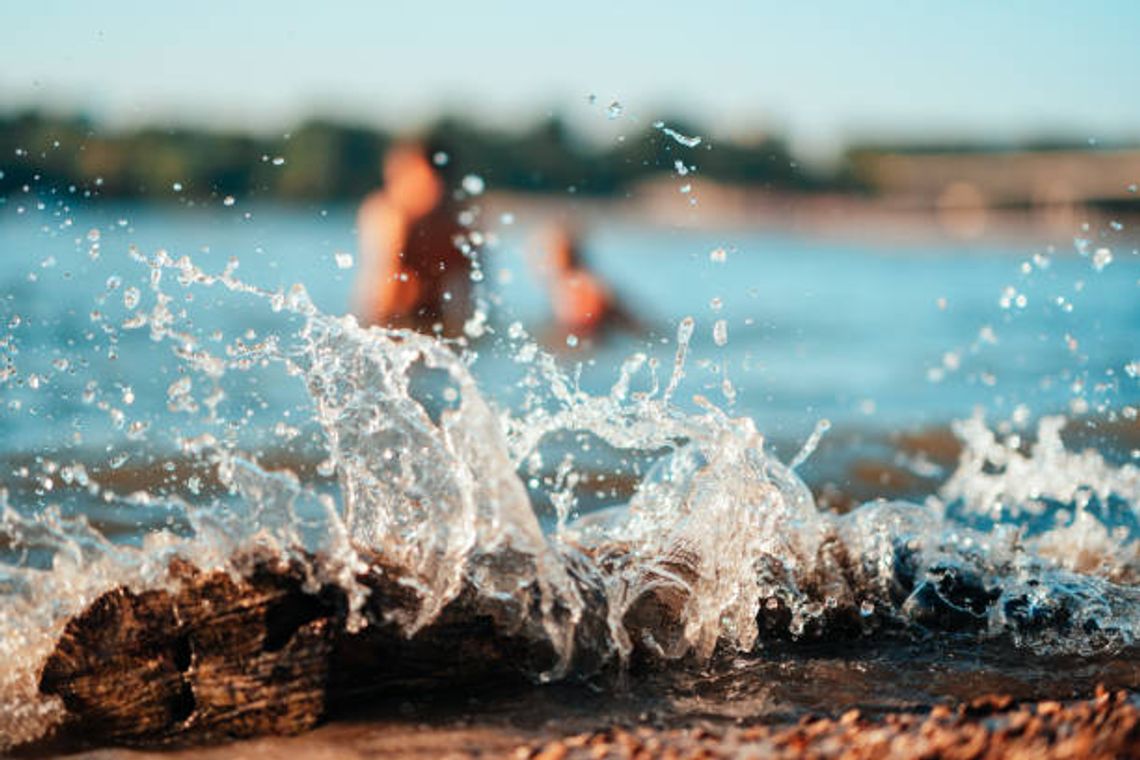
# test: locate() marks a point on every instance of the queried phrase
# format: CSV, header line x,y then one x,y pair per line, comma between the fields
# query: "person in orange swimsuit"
x,y
584,307
412,274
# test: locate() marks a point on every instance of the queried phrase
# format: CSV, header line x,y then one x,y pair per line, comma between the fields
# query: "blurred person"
x,y
584,306
412,275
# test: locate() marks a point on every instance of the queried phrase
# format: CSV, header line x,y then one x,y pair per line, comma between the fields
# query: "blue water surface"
x,y
881,336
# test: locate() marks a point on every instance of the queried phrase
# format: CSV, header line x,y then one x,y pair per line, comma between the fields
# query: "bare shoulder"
x,y
376,208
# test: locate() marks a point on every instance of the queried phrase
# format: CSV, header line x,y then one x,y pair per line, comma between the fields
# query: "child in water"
x,y
584,307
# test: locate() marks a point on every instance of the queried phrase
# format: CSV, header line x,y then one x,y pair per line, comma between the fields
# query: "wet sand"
x,y
1106,725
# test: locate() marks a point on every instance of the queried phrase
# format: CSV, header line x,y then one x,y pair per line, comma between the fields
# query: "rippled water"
x,y
714,550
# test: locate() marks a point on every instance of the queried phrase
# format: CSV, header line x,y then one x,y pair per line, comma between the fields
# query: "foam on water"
x,y
1038,547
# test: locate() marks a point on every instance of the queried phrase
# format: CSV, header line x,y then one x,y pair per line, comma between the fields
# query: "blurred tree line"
x,y
323,160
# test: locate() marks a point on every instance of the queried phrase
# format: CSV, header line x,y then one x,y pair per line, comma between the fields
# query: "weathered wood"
x,y
218,657
221,657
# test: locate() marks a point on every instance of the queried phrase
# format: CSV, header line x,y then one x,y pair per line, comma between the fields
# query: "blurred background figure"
x,y
582,304
411,274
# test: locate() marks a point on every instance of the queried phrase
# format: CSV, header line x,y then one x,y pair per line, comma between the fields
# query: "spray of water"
x,y
719,534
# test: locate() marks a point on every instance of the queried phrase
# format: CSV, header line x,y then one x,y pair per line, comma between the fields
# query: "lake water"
x,y
880,336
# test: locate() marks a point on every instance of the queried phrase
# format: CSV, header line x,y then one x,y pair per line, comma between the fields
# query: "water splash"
x,y
720,546
995,477
681,139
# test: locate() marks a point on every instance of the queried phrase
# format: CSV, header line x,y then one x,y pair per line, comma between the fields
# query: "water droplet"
x,y
572,340
688,142
1102,257
177,187
229,200
473,184
728,390
718,255
614,109
720,332
93,235
279,161
131,297
476,325
1020,416
179,388
288,432
1008,293
343,260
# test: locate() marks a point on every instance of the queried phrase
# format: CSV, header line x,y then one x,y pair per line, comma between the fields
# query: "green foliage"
x,y
323,160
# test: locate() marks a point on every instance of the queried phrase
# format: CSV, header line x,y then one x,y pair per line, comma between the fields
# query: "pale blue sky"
x,y
822,71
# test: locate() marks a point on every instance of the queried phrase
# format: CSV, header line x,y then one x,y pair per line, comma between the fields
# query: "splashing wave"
x,y
721,546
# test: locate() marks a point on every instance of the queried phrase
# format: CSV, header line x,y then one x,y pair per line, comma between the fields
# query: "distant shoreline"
x,y
829,216
711,206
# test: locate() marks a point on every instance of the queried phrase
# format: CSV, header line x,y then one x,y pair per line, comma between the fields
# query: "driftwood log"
x,y
219,658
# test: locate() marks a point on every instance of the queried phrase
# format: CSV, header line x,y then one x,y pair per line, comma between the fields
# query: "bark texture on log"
x,y
219,658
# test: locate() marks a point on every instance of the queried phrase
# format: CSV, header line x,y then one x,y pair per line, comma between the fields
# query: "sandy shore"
x,y
1105,726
